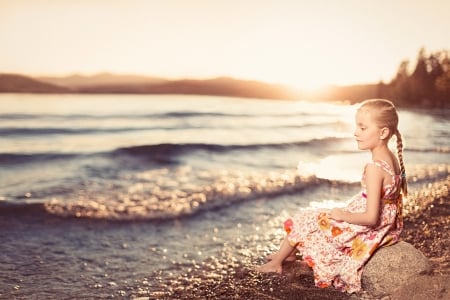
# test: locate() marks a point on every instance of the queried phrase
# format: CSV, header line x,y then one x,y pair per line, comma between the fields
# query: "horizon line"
x,y
173,78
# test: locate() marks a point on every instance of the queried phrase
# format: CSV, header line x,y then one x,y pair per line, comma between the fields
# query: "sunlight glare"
x,y
333,168
326,204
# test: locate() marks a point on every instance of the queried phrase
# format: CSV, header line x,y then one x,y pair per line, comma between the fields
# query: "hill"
x,y
222,86
106,83
101,80
13,83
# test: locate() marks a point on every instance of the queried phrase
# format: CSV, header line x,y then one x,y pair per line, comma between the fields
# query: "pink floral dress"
x,y
337,250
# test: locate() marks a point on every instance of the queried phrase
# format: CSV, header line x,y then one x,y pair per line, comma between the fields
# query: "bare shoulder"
x,y
373,175
372,169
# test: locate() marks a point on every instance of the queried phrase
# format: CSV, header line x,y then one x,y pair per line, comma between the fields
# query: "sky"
x,y
300,43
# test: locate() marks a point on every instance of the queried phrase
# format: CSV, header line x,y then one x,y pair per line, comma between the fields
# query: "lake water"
x,y
109,196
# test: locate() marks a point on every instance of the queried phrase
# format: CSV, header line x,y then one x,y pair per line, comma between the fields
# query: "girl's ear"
x,y
384,133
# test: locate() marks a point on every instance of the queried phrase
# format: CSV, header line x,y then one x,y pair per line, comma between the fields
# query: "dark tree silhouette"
x,y
427,86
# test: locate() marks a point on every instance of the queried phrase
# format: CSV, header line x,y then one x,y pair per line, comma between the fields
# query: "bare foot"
x,y
290,258
271,256
270,267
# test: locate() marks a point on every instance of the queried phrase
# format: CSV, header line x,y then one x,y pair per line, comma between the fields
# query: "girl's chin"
x,y
361,147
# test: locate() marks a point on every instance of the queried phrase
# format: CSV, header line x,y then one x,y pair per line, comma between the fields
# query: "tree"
x,y
428,85
399,89
442,81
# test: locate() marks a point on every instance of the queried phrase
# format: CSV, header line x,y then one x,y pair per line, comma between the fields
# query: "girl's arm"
x,y
374,184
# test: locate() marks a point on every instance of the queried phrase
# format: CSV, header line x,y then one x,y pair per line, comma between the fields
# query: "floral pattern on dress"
x,y
337,250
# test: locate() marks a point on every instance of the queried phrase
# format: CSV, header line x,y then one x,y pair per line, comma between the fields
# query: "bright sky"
x,y
303,43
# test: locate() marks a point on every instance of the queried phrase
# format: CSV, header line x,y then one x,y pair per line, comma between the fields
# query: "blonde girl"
x,y
337,243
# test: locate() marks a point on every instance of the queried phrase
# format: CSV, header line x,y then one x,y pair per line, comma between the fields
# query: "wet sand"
x,y
426,226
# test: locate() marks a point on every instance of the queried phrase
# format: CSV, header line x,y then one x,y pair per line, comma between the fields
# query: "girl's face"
x,y
367,133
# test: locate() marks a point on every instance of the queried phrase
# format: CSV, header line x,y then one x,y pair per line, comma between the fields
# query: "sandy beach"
x,y
426,226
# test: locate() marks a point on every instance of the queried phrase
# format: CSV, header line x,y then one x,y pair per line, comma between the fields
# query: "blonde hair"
x,y
387,116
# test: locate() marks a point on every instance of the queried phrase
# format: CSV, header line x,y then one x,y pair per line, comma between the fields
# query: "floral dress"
x,y
337,250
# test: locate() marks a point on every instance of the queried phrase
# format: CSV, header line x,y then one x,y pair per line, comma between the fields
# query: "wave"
x,y
179,114
40,131
169,148
161,152
17,131
11,208
174,114
23,158
158,195
160,206
168,152
430,150
164,152
67,131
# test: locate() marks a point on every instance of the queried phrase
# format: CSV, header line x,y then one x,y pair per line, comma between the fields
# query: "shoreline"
x,y
426,227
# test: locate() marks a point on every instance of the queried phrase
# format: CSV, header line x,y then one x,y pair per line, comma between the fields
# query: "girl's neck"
x,y
380,153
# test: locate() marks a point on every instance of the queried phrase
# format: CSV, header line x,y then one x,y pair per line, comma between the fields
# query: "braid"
x,y
404,184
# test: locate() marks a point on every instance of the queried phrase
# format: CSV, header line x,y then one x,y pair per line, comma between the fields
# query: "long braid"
x,y
404,184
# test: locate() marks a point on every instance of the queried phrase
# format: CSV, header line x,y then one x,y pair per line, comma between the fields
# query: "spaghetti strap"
x,y
385,166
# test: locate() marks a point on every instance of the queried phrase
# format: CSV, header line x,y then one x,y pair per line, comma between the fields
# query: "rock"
x,y
422,287
392,267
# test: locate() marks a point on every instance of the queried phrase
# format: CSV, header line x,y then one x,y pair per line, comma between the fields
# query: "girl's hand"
x,y
337,214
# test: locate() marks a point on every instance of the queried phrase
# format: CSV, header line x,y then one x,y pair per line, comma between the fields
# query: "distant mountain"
x,y
13,83
135,84
102,79
222,86
106,83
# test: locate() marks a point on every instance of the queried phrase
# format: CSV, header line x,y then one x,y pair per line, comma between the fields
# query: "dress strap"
x,y
384,165
391,190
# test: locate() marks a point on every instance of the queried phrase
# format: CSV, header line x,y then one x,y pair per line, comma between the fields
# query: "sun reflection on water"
x,y
336,167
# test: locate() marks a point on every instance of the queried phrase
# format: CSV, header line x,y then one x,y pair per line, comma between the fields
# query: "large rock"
x,y
424,287
391,267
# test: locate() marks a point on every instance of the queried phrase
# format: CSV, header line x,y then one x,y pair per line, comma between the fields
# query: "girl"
x,y
336,244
